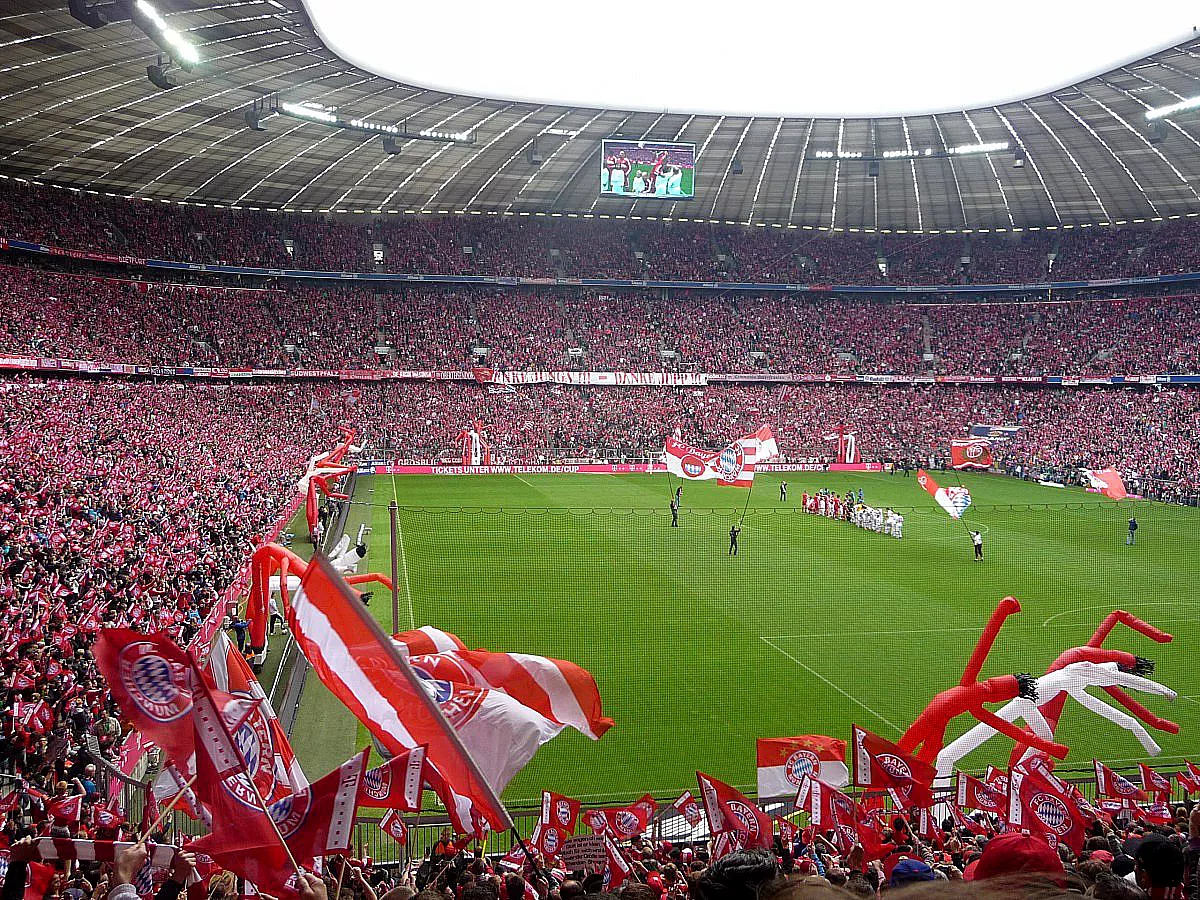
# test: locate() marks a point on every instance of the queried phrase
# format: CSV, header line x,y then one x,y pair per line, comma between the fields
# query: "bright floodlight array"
x,y
180,48
327,115
960,150
1161,112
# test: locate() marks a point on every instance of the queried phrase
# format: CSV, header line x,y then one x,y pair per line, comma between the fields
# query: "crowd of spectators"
x,y
550,246
66,315
121,503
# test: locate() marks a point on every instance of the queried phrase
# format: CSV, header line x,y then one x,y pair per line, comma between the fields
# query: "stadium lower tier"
x,y
51,314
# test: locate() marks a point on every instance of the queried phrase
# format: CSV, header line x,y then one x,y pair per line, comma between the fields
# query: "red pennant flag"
x,y
617,868
394,826
1186,781
974,794
1113,784
730,810
685,804
850,821
1154,783
1156,813
964,821
66,809
559,817
997,779
1039,805
724,843
787,831
396,784
928,828
879,763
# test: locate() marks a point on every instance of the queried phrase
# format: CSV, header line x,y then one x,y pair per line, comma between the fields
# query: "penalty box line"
x,y
826,681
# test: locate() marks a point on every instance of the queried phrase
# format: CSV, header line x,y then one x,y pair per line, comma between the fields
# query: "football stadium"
x,y
510,452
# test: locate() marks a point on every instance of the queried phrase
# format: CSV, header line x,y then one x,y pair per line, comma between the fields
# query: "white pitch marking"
x,y
812,671
412,619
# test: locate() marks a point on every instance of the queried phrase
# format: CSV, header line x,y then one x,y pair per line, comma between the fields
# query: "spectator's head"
x,y
910,871
1111,887
1159,863
1016,857
737,876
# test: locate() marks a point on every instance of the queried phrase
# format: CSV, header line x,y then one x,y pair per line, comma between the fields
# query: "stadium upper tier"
x,y
77,109
53,314
563,247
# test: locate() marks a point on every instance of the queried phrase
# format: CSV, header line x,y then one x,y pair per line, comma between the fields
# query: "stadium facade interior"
x,y
255,296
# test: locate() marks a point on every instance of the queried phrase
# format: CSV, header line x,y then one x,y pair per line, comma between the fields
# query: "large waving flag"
x,y
730,810
1106,481
1155,782
561,691
621,822
954,500
477,739
1037,804
783,763
970,453
427,639
1114,784
975,794
735,465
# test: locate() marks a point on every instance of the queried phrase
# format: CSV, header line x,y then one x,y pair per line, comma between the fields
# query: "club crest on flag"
x,y
1052,812
894,766
595,820
731,462
745,815
626,822
458,704
562,812
960,498
291,812
801,765
692,465
154,683
377,783
550,841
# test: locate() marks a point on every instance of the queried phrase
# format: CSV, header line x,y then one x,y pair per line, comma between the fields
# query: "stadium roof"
x,y
76,109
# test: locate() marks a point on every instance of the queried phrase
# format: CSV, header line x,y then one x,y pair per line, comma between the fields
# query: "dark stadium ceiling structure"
x,y
77,110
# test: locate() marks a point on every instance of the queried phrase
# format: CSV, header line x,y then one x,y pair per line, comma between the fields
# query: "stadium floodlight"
x,y
963,149
1161,112
170,40
312,113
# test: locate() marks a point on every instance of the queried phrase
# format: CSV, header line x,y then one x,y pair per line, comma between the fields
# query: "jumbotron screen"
x,y
648,169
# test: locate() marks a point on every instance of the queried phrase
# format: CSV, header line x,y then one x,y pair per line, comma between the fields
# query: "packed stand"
x,y
520,246
121,503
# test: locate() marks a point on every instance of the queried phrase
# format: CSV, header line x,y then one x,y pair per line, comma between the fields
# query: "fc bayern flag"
x,y
685,805
1188,782
1038,805
974,794
1113,784
1107,481
394,826
621,822
66,809
1153,782
783,763
878,764
997,779
851,823
954,500
396,784
557,823
149,677
427,639
730,810
970,453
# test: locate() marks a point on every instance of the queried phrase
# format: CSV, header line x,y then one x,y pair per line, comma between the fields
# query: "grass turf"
x,y
815,625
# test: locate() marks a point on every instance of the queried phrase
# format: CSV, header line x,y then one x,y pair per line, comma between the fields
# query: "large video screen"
x,y
648,169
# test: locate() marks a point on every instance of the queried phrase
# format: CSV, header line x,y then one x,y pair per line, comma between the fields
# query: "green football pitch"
x,y
813,626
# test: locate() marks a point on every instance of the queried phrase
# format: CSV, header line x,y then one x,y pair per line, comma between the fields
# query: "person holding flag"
x,y
977,541
734,531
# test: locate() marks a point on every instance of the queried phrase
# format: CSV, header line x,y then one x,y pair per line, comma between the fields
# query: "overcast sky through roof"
x,y
749,56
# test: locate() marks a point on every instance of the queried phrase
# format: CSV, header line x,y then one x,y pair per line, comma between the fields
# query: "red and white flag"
x,y
52,848
617,868
1187,781
1113,784
476,739
724,843
783,763
878,764
66,810
975,794
851,823
149,677
396,784
970,453
268,754
1107,481
393,825
1154,783
730,810
954,500
621,822
685,805
557,823
1038,805
997,779
427,639
735,465
561,691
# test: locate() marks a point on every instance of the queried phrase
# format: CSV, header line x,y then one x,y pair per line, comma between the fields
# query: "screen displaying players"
x,y
638,169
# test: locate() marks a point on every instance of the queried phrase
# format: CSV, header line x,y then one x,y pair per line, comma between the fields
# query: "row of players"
x,y
660,180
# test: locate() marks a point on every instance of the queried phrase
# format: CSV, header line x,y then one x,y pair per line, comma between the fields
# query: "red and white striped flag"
x,y
427,639
1107,481
878,763
685,805
396,784
561,691
477,739
52,848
